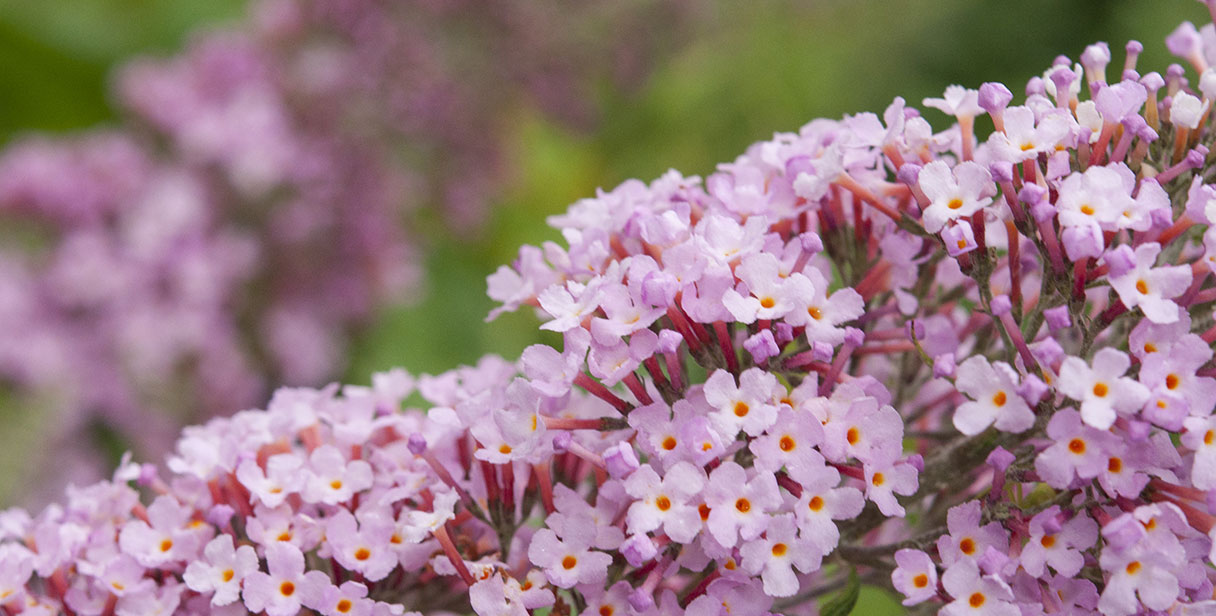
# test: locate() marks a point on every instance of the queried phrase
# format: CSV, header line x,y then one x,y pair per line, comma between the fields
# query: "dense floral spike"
x,y
252,212
975,371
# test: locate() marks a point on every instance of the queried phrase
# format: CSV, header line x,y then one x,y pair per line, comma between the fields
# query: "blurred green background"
x,y
751,69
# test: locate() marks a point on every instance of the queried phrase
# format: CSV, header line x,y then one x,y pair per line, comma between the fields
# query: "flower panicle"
x,y
974,369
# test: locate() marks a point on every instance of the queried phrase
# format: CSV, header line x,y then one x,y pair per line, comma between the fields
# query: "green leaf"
x,y
842,604
1040,495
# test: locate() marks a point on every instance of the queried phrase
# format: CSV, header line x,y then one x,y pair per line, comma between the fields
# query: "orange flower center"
x,y
976,600
786,443
1100,390
669,443
1142,287
999,399
816,503
743,505
741,409
967,546
920,581
779,549
287,589
1076,446
852,436
344,606
663,503
955,203
569,562
363,554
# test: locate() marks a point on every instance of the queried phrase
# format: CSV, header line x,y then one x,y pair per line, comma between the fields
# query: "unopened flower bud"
x,y
638,549
620,459
416,444
944,366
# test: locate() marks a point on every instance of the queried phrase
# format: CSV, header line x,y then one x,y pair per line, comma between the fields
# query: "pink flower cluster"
x,y
976,371
251,214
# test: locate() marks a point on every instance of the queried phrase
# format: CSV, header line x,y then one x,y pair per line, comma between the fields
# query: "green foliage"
x,y
843,602
56,57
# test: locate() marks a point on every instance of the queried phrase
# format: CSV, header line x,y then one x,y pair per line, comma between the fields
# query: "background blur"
x,y
734,73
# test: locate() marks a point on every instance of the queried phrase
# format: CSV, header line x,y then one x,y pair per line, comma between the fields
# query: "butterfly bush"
x,y
975,371
250,214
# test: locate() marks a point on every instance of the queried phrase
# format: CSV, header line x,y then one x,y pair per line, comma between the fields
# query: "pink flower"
x,y
493,597
993,389
957,101
967,539
1077,450
332,479
789,443
1151,288
1200,436
822,502
748,406
738,506
284,476
777,554
349,599
222,571
764,292
976,594
1061,549
569,562
954,193
865,430
1102,390
915,576
363,546
1174,373
1139,576
282,591
823,315
1024,138
885,480
666,502
170,536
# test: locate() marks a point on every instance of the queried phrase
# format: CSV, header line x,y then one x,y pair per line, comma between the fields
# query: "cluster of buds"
x,y
249,216
978,372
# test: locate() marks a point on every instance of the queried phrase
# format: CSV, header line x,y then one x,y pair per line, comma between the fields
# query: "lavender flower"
x,y
251,214
1056,464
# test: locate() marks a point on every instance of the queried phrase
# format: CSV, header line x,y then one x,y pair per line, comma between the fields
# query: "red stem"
x,y
598,390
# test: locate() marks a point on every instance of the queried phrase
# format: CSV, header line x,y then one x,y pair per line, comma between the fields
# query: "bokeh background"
x,y
723,75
